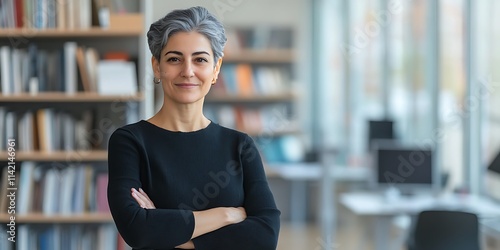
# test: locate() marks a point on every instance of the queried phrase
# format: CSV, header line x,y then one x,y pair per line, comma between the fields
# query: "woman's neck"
x,y
182,118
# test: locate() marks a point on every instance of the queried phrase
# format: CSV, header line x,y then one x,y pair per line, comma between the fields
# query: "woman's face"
x,y
186,67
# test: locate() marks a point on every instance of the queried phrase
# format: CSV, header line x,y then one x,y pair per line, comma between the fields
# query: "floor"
x,y
307,236
351,234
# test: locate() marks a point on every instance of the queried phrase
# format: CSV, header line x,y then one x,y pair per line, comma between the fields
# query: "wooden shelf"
x,y
70,218
70,98
59,33
74,156
260,56
221,98
122,25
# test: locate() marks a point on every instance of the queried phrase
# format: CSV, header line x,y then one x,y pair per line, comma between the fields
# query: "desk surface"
x,y
491,227
384,210
376,204
314,171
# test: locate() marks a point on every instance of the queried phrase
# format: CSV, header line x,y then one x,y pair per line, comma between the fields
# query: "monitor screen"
x,y
495,164
403,167
379,130
493,178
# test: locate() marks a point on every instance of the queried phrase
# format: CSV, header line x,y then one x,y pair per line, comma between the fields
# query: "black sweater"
x,y
184,172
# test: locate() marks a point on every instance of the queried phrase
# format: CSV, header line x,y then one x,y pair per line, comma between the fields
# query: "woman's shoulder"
x,y
230,132
235,136
134,129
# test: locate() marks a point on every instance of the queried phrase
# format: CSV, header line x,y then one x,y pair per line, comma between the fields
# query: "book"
x,y
101,192
3,112
89,194
68,176
70,68
92,59
115,77
26,128
10,125
6,70
26,192
51,192
78,198
82,67
45,125
61,14
244,79
4,200
228,73
16,78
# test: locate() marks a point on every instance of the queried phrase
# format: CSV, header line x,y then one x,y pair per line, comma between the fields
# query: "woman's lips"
x,y
186,85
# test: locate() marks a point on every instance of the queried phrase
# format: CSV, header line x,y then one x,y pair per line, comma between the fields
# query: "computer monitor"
x,y
381,129
493,178
407,168
495,164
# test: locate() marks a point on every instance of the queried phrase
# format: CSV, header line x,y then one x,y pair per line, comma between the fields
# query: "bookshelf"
x,y
255,98
39,218
256,89
61,132
60,156
260,56
57,33
52,97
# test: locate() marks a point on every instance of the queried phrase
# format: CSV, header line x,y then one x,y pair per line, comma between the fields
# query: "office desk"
x,y
491,228
299,174
382,210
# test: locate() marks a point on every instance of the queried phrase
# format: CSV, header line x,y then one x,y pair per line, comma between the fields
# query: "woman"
x,y
178,180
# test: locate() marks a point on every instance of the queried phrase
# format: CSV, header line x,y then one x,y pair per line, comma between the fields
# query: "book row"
x,y
65,237
268,119
275,130
51,129
43,14
259,38
47,130
245,79
57,189
68,69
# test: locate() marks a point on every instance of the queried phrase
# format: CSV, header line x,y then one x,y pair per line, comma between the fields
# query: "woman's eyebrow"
x,y
180,53
200,52
174,52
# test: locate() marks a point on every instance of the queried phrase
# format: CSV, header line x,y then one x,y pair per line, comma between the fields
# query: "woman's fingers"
x,y
138,197
142,198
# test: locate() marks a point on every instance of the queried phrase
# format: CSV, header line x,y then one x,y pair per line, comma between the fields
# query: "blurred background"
x,y
366,113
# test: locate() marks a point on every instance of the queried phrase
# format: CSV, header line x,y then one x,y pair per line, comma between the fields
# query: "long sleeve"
x,y
140,228
261,228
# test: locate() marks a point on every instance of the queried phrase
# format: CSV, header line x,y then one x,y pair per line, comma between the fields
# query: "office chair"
x,y
445,230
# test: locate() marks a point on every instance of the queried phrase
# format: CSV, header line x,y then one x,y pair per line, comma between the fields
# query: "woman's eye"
x,y
201,59
173,59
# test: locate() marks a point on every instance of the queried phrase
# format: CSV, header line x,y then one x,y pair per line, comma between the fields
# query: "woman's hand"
x,y
187,245
235,214
142,198
145,202
205,221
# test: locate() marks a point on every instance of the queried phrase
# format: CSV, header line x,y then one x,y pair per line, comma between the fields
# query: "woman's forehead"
x,y
188,42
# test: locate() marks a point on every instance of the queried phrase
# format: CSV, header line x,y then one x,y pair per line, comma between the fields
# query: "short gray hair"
x,y
197,19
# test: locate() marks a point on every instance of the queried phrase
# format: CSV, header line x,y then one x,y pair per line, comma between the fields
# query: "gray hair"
x,y
197,19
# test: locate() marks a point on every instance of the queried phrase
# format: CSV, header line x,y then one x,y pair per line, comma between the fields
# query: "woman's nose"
x,y
187,70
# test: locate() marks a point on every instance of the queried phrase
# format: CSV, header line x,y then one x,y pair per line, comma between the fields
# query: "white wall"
x,y
240,11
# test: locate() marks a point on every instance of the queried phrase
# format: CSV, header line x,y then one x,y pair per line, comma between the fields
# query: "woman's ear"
x,y
217,67
156,67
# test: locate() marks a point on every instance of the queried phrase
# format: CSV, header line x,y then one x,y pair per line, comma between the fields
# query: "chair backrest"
x,y
443,230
